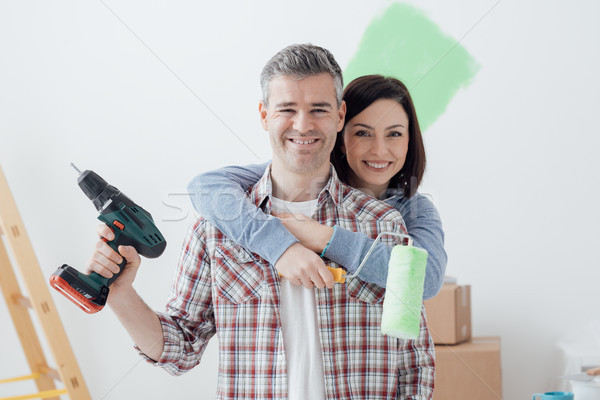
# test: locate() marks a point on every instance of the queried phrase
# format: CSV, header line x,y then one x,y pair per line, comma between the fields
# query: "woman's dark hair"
x,y
360,94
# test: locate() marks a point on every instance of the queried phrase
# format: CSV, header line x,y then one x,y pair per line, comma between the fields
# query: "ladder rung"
x,y
47,371
41,395
21,378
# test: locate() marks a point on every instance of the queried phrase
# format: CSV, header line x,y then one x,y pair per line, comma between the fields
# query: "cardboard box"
x,y
469,370
449,314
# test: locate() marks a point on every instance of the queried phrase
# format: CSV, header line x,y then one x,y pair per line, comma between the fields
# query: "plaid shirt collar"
x,y
261,193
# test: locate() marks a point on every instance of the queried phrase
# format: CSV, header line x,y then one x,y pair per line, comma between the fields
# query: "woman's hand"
x,y
309,232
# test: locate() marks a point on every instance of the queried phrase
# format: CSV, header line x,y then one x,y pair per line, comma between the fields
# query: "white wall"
x,y
149,95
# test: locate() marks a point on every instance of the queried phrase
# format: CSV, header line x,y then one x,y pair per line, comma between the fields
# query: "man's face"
x,y
302,119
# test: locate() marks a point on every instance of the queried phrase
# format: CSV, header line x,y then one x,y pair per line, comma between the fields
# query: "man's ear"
x,y
342,115
262,110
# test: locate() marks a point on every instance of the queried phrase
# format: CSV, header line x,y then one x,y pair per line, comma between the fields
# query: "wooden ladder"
x,y
12,232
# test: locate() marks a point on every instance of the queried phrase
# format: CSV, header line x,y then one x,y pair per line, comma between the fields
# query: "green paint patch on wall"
x,y
405,44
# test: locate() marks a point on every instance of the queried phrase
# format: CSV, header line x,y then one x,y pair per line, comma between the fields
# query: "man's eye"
x,y
319,110
286,110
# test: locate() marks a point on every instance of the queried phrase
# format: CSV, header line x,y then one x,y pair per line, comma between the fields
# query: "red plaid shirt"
x,y
223,288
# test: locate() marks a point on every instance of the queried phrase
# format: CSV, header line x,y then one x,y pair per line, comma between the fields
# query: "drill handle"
x,y
114,244
116,275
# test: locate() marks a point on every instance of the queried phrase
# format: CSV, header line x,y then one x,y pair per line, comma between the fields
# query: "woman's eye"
x,y
362,133
395,134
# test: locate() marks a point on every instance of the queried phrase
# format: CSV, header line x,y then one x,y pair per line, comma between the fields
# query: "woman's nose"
x,y
378,147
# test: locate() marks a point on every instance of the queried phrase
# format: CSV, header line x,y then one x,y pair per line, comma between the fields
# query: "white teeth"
x,y
303,141
373,165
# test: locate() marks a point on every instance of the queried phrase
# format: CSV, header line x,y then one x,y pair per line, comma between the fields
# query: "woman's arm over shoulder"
x,y
220,197
424,225
234,178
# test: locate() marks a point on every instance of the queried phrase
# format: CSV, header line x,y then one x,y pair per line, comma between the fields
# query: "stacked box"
x,y
449,314
466,367
470,370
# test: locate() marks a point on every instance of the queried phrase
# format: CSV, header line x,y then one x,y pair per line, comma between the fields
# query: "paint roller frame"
x,y
399,317
362,264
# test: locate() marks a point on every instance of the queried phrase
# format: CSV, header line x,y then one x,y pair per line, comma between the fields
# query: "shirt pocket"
x,y
365,292
239,275
357,289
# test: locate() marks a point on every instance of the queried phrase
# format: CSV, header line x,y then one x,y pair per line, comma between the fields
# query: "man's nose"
x,y
303,122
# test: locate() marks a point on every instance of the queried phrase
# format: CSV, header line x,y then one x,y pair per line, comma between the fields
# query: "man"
x,y
276,339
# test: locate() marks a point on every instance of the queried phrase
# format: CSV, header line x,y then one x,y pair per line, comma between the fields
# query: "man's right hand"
x,y
302,266
105,260
142,324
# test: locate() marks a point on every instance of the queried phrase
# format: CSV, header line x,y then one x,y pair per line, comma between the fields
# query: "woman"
x,y
379,151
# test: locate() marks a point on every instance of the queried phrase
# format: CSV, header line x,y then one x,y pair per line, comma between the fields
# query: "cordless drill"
x,y
132,226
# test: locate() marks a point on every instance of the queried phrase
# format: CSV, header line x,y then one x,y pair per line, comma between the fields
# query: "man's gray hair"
x,y
301,61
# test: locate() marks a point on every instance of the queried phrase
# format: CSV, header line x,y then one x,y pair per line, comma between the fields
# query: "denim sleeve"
x,y
220,197
348,249
423,224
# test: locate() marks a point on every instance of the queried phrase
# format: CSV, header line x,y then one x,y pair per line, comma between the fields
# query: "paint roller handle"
x,y
338,274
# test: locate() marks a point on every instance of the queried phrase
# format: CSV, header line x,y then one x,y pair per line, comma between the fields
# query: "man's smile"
x,y
303,141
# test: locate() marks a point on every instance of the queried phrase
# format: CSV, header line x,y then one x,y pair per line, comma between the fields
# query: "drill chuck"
x,y
96,189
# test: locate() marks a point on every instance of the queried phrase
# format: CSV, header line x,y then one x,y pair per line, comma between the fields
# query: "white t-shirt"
x,y
301,339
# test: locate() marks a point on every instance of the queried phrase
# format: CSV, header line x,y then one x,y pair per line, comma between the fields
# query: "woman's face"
x,y
376,143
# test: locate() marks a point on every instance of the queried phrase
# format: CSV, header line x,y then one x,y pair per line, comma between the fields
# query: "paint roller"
x,y
401,316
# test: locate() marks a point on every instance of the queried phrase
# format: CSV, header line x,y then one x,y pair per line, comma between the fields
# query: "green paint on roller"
x,y
405,44
403,300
